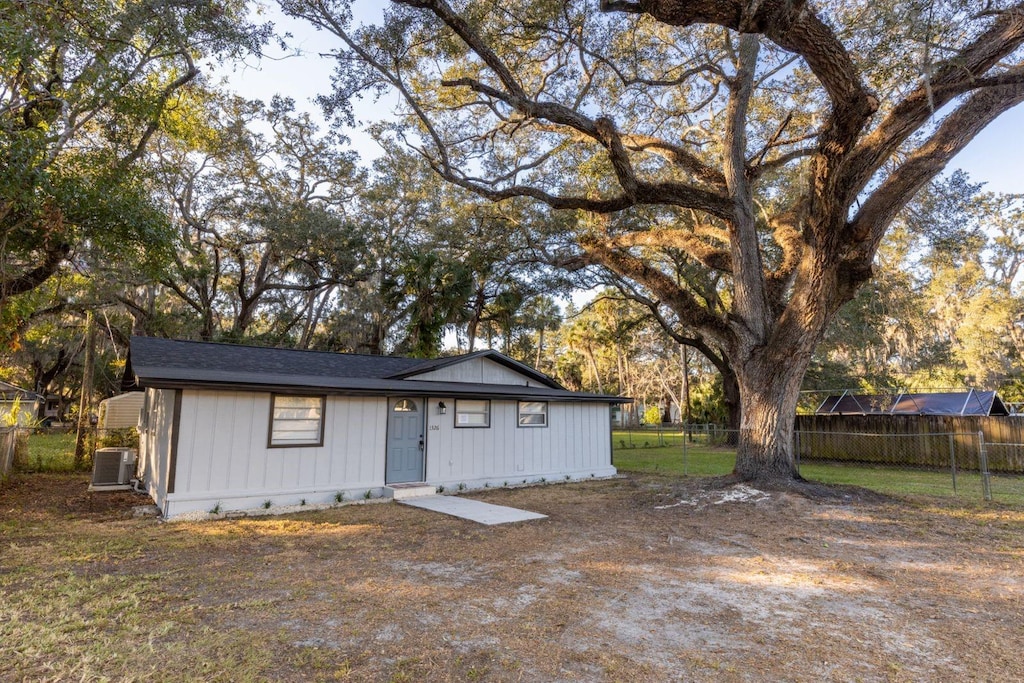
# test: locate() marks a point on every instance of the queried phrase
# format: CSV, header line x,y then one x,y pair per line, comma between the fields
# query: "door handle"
x,y
421,443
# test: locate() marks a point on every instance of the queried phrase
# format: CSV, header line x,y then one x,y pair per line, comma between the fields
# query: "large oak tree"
x,y
771,141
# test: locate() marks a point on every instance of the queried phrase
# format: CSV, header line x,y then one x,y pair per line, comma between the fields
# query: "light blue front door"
x,y
405,441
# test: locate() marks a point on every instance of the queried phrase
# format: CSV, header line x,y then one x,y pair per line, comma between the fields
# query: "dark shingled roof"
x,y
174,354
169,363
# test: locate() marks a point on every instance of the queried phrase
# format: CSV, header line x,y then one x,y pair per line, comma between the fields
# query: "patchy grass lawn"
x,y
703,461
50,452
643,454
642,578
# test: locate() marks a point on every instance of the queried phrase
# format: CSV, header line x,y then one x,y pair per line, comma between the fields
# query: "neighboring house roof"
x,y
904,403
9,392
169,363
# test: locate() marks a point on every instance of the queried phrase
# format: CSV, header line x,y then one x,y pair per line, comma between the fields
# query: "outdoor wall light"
x,y
441,408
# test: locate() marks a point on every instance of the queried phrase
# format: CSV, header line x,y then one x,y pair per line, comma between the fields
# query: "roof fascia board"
x,y
316,385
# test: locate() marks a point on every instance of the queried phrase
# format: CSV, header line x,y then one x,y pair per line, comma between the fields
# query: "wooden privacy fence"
x,y
914,440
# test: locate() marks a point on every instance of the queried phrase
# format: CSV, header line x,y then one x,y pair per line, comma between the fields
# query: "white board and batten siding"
x,y
576,443
223,460
477,371
155,431
223,457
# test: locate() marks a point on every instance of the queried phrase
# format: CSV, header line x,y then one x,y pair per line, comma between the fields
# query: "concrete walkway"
x,y
473,510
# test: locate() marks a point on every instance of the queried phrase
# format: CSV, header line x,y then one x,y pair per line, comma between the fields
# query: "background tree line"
x,y
165,205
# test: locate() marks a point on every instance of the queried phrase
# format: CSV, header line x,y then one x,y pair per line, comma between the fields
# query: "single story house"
x,y
27,403
231,427
53,410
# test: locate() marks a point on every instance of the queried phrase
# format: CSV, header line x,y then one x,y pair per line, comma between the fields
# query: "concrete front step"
x,y
473,510
414,489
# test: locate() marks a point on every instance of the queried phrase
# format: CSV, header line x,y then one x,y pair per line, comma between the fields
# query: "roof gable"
x,y
487,367
9,392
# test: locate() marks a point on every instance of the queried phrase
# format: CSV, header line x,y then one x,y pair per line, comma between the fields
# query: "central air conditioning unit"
x,y
113,466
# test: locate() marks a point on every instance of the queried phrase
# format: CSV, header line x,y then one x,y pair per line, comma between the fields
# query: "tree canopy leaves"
x,y
83,88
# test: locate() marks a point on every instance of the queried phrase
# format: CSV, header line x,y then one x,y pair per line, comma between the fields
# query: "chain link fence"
x,y
52,449
965,465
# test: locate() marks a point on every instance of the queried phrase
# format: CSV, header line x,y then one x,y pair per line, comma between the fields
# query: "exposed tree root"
x,y
811,490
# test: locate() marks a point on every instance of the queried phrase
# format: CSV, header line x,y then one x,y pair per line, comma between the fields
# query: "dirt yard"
x,y
634,579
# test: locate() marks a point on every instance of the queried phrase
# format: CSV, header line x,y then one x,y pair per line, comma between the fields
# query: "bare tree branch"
x,y
952,78
717,259
926,162
679,300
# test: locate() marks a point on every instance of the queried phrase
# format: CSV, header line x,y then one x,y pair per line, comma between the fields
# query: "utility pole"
x,y
85,403
685,362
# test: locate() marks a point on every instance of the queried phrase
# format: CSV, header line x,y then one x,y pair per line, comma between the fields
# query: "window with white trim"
x,y
296,421
533,414
472,413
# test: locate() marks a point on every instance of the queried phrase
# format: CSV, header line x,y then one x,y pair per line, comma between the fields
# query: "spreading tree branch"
x,y
661,285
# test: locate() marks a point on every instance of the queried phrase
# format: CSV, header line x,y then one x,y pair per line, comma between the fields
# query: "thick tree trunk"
x,y
473,324
769,389
540,347
589,352
730,392
733,403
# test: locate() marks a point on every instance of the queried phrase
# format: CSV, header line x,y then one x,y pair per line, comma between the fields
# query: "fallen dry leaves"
x,y
639,578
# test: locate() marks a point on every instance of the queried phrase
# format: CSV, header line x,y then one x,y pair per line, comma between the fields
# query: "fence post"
x,y
986,484
952,461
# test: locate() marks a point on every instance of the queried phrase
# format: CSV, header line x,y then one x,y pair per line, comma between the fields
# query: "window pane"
x,y
405,406
297,402
297,413
472,413
297,420
300,432
290,426
533,414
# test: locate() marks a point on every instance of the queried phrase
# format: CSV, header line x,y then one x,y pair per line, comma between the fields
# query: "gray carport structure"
x,y
962,403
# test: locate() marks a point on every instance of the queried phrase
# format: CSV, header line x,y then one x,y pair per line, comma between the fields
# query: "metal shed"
x,y
970,402
121,411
